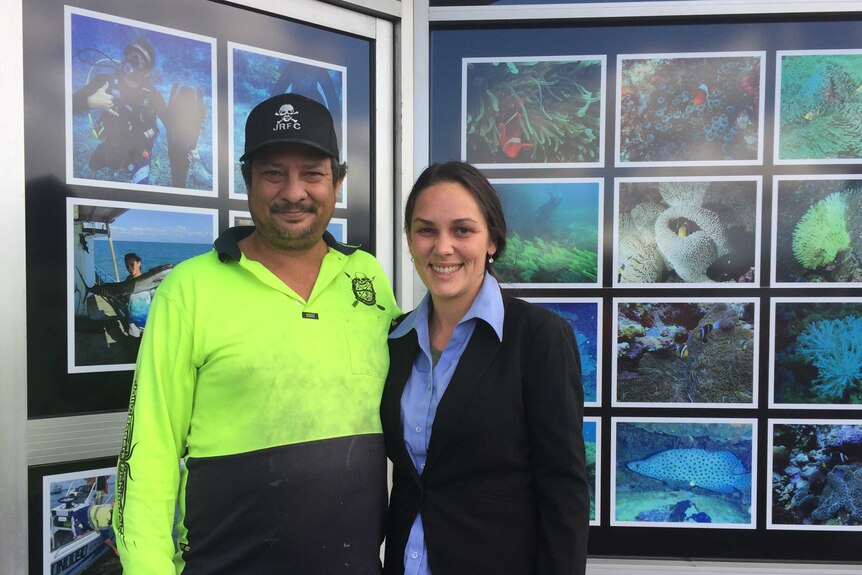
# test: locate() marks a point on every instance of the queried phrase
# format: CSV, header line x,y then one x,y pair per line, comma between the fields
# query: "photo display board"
x,y
134,125
687,196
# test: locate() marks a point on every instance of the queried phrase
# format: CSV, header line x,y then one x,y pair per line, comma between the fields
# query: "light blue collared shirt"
x,y
425,388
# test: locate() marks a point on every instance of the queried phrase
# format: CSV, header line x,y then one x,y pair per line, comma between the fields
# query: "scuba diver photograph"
x,y
141,106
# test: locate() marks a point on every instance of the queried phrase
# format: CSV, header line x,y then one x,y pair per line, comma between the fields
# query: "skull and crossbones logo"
x,y
286,119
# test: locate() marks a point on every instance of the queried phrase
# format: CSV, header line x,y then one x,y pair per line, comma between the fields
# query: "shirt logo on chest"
x,y
363,290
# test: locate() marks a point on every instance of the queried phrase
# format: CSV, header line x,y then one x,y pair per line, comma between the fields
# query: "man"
x,y
262,366
133,265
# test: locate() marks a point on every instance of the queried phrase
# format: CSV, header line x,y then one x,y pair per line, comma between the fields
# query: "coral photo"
x,y
585,319
816,475
820,106
681,354
554,233
696,108
591,445
531,111
817,358
683,473
687,232
817,230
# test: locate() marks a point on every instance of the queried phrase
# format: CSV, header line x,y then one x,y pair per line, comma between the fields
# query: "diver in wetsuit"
x,y
129,105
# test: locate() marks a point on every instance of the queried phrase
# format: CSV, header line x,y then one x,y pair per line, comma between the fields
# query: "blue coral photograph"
x,y
258,74
533,112
675,353
816,475
584,315
817,231
592,447
690,108
819,103
554,233
687,233
139,106
674,472
816,353
118,254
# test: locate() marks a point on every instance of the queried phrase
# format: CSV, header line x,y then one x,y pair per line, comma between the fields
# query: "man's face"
x,y
291,197
134,267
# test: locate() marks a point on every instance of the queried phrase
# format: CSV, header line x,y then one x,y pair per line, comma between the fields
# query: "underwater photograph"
x,y
817,230
676,353
118,254
593,448
819,103
259,74
531,111
816,475
585,318
816,353
684,232
704,108
554,232
683,473
139,102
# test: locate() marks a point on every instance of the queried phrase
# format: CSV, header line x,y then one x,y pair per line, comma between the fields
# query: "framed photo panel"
x,y
817,102
687,232
554,234
815,356
678,353
71,518
140,106
817,231
117,254
255,74
537,111
702,109
585,317
593,445
688,473
815,474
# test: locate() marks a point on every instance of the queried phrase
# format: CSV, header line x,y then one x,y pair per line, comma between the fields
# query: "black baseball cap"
x,y
290,119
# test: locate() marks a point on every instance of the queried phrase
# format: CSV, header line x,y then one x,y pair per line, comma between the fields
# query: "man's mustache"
x,y
293,207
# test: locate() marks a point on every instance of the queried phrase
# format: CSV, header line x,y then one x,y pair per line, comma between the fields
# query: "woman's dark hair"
x,y
476,184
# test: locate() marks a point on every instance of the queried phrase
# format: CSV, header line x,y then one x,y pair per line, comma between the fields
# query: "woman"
x,y
500,486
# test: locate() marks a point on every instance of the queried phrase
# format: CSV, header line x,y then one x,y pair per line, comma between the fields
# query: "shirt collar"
x,y
488,306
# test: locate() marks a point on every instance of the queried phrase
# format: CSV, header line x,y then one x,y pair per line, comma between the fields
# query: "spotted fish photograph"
x,y
677,353
698,108
585,317
817,231
117,255
256,74
816,475
592,445
140,103
819,102
533,111
816,353
687,233
554,232
675,472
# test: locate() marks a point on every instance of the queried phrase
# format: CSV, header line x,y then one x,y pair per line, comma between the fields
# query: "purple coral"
x,y
843,492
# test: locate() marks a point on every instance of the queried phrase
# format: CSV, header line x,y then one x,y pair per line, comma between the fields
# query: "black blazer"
x,y
504,490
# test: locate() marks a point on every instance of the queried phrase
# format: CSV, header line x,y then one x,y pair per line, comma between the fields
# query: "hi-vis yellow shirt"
x,y
255,413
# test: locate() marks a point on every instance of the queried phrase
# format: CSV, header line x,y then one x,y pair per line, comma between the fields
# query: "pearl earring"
x,y
490,259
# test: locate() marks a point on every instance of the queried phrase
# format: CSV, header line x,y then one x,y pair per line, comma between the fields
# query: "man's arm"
x,y
154,441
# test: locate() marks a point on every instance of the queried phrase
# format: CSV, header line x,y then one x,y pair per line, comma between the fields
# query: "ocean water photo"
x,y
690,109
583,317
688,474
818,231
818,356
157,130
820,115
553,232
679,353
687,232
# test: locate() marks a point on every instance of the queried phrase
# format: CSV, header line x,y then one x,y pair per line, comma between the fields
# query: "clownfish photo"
x,y
682,351
701,95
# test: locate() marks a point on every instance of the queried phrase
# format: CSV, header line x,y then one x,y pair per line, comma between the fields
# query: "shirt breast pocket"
x,y
366,342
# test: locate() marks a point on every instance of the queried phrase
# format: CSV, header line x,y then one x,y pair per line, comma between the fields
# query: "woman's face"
x,y
449,242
